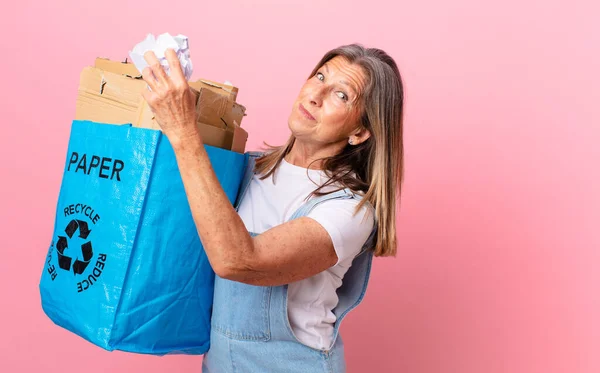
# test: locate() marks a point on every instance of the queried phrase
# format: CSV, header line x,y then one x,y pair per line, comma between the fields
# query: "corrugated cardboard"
x,y
238,143
109,98
222,89
213,108
213,111
129,69
225,90
232,140
123,68
115,97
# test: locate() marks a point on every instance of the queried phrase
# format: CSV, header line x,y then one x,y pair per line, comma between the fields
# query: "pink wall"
x,y
499,227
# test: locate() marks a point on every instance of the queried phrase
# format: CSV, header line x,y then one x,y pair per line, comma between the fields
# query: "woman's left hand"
x,y
171,99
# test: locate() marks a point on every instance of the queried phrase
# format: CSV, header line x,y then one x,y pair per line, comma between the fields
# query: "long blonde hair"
x,y
376,166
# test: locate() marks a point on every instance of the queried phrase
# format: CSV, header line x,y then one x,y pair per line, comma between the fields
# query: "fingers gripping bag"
x,y
125,268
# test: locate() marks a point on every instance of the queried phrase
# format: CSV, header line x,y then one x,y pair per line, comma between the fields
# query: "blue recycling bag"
x,y
126,269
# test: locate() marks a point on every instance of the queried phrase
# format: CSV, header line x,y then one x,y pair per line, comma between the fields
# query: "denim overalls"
x,y
250,330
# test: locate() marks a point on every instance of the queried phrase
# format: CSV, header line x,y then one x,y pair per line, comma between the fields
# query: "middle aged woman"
x,y
295,257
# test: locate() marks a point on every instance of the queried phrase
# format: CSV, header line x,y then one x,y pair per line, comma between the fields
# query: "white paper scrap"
x,y
159,46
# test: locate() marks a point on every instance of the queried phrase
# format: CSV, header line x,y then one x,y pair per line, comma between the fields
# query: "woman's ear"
x,y
359,136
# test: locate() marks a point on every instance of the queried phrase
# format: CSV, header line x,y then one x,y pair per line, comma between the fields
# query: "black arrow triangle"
x,y
79,267
62,244
86,249
64,262
71,228
84,231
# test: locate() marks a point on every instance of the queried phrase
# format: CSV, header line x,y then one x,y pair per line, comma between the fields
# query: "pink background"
x,y
499,236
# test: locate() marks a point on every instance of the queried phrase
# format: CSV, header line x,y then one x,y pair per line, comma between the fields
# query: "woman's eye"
x,y
320,76
342,95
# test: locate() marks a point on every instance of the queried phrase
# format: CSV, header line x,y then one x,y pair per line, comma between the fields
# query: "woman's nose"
x,y
316,97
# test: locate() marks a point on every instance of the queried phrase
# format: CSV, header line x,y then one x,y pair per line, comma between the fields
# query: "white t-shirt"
x,y
268,204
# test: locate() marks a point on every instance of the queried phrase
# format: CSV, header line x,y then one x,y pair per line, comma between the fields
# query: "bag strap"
x,y
251,158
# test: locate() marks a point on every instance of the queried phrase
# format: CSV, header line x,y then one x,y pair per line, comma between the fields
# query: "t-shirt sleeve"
x,y
348,232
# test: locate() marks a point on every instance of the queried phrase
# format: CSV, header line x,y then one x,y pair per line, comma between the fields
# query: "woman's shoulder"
x,y
348,226
346,204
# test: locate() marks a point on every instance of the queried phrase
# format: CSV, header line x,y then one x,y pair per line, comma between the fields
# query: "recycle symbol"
x,y
64,261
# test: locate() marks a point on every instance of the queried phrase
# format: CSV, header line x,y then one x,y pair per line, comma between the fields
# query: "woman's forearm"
x,y
227,243
223,234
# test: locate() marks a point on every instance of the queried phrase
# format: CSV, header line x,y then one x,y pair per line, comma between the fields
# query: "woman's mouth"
x,y
305,112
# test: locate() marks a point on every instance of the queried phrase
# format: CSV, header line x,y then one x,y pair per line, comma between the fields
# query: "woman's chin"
x,y
300,130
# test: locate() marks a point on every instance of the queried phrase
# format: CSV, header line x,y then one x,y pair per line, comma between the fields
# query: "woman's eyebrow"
x,y
344,82
348,85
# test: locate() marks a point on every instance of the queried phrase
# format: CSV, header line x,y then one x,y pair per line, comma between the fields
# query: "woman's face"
x,y
327,110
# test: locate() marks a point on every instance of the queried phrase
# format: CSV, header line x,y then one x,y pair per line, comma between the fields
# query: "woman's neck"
x,y
310,156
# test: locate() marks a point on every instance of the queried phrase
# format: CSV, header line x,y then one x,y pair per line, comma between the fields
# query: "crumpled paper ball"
x,y
159,46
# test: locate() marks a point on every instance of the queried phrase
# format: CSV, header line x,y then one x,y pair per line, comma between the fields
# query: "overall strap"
x,y
306,207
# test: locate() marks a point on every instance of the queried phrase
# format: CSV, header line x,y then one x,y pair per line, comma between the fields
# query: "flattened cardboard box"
x,y
116,98
129,69
216,106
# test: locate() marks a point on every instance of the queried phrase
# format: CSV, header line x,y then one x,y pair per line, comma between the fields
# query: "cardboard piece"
x,y
129,69
213,108
221,113
122,68
232,140
109,98
112,94
225,90
240,136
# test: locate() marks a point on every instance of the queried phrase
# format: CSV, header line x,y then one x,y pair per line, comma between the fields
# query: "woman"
x,y
297,257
